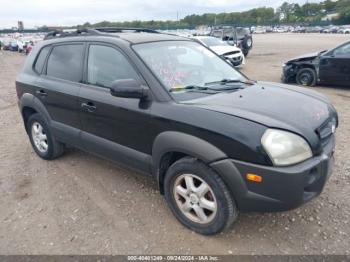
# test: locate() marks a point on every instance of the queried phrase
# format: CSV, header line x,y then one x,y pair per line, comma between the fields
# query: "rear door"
x,y
58,88
335,66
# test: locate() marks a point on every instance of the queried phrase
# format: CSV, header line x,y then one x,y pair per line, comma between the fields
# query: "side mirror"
x,y
128,88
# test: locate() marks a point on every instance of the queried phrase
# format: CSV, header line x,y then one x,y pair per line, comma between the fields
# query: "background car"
x,y
6,44
345,30
21,46
260,30
241,37
332,67
13,46
232,54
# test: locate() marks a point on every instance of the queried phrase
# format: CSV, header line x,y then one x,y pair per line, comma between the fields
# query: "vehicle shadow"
x,y
247,224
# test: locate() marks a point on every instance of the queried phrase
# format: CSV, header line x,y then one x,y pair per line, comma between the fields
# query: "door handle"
x,y
41,93
90,107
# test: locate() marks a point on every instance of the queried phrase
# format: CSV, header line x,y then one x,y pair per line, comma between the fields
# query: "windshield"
x,y
179,64
212,41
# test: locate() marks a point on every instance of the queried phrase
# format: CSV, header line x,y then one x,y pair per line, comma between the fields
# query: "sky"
x,y
72,12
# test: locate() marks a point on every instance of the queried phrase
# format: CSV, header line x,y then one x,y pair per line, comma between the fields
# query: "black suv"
x,y
167,106
239,36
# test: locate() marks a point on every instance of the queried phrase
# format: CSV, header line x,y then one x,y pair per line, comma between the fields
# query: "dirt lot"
x,y
80,204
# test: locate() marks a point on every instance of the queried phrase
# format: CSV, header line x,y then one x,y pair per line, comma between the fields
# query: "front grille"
x,y
236,59
231,53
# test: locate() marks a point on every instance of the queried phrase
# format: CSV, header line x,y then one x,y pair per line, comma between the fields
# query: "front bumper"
x,y
282,188
288,73
236,60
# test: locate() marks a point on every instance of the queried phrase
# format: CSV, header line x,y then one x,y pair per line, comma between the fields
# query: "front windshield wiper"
x,y
204,89
194,88
229,81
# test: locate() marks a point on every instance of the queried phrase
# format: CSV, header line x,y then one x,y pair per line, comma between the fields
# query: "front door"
x,y
113,127
335,66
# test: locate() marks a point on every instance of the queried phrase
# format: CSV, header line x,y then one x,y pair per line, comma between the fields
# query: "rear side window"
x,y
40,61
65,62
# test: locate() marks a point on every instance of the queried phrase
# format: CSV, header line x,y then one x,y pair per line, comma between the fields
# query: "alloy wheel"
x,y
39,137
195,198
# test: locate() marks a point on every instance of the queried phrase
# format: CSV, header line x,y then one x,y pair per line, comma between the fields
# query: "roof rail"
x,y
78,32
125,29
96,31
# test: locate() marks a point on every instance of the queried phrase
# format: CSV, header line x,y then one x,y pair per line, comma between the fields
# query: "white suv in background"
x,y
345,30
231,53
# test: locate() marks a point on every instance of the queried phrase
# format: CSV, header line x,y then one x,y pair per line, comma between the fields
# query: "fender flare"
x,y
172,141
28,100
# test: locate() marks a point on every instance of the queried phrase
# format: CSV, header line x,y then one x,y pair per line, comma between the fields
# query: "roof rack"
x,y
96,31
78,32
125,29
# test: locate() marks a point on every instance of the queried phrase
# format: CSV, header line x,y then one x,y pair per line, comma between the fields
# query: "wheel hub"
x,y
305,79
194,199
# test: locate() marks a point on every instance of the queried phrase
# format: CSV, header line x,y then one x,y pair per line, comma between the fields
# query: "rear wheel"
x,y
44,144
247,44
245,52
198,197
306,77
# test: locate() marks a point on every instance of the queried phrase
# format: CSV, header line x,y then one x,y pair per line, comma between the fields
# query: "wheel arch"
x,y
170,146
29,105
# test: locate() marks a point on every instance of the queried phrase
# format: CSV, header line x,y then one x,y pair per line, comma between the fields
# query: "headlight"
x,y
285,148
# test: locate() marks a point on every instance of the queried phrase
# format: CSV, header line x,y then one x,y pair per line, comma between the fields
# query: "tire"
x,y
306,77
39,139
245,52
223,211
247,42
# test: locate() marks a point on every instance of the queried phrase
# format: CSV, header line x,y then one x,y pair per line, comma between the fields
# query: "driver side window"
x,y
106,65
342,51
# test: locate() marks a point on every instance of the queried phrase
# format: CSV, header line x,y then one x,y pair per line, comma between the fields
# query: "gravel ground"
x,y
80,204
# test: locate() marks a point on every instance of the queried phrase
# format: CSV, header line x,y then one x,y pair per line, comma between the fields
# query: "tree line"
x,y
287,13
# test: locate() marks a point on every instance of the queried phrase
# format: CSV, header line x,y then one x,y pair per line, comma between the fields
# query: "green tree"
x,y
344,15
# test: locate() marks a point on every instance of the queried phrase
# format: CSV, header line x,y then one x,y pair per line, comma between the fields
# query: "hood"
x,y
222,49
305,57
291,108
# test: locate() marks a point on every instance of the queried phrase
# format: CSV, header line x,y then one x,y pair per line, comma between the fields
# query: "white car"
x,y
260,30
344,31
280,30
231,53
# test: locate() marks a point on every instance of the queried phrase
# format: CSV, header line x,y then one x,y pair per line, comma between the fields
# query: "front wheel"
x,y
306,77
198,197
